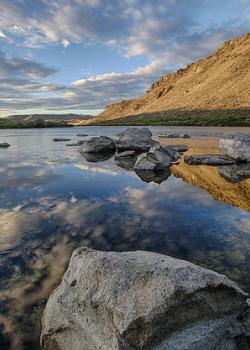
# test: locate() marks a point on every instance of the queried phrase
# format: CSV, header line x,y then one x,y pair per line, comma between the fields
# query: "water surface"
x,y
52,200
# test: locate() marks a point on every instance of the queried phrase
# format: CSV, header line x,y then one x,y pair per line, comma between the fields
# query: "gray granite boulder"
x,y
143,300
156,159
98,144
154,176
208,159
236,145
137,139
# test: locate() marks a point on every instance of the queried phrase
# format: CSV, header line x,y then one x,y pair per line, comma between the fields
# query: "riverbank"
x,y
180,119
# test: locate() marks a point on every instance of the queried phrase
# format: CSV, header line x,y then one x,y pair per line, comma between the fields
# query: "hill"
x,y
47,117
211,91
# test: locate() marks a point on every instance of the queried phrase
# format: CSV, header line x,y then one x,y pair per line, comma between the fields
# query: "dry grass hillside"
x,y
210,91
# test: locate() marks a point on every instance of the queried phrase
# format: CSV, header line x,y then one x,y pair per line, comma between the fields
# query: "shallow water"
x,y
52,200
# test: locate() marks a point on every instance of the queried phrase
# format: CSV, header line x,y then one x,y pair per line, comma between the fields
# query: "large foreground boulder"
x,y
158,158
236,145
137,139
143,300
98,144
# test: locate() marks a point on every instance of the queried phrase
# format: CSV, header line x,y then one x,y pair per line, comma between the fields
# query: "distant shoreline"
x,y
38,124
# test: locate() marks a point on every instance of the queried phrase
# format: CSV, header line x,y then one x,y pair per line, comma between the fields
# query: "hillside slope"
x,y
206,92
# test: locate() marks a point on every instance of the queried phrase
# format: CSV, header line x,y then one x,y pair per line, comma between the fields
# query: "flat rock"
x,y
136,139
208,159
236,145
81,135
235,173
142,300
98,144
4,145
179,148
96,157
125,155
59,139
158,158
174,136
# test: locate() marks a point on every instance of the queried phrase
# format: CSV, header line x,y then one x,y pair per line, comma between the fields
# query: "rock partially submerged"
x,y
208,159
235,173
98,144
60,139
81,135
174,136
136,139
158,158
4,145
143,300
179,148
236,145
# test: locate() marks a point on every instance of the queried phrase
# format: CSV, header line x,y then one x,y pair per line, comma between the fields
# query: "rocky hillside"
x,y
210,91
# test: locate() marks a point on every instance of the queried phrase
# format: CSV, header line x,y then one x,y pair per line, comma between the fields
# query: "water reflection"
x,y
53,200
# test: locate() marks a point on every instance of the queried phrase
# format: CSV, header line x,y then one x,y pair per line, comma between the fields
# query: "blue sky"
x,y
80,55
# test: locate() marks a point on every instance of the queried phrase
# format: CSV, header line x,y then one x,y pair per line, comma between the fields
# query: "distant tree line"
x,y
40,123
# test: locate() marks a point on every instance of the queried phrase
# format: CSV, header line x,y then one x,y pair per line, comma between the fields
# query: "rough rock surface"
x,y
137,139
208,159
236,145
143,300
235,173
154,176
100,144
156,159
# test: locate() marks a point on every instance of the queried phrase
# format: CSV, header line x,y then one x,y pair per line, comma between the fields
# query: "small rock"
x,y
235,173
58,139
179,148
81,135
136,139
236,145
4,145
208,159
98,144
174,136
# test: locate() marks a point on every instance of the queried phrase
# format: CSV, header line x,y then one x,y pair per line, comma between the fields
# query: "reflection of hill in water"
x,y
209,178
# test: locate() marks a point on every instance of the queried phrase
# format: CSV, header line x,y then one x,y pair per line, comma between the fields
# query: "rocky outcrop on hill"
x,y
208,88
143,300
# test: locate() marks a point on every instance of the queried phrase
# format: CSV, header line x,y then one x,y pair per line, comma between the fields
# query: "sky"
x,y
60,56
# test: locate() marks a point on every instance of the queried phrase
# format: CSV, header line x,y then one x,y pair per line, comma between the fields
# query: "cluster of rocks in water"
x,y
144,300
135,149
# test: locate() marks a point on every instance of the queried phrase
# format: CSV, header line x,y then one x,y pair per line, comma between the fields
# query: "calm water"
x,y
52,200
